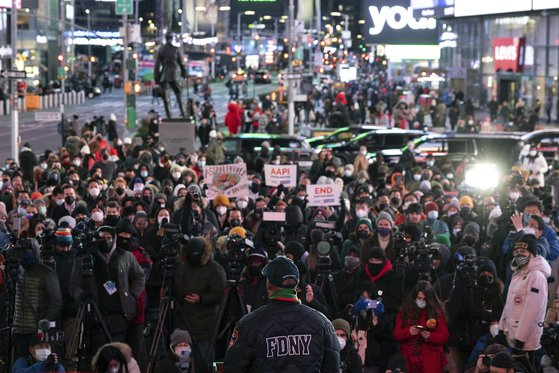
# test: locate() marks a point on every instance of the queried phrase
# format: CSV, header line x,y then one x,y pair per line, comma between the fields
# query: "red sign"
x,y
508,54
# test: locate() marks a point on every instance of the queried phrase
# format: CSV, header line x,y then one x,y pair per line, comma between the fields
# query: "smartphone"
x,y
419,327
16,224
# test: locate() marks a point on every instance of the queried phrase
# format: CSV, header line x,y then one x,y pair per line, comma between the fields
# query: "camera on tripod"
x,y
170,245
47,241
423,253
236,247
325,239
272,231
468,269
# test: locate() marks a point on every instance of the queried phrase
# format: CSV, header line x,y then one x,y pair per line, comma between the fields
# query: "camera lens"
x,y
486,361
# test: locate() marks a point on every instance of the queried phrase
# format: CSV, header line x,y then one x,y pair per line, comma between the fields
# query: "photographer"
x,y
116,283
40,359
199,285
41,285
184,356
350,362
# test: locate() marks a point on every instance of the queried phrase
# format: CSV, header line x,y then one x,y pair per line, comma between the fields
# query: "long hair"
x,y
104,357
411,313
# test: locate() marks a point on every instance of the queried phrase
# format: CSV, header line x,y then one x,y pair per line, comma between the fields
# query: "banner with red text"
x,y
276,175
323,195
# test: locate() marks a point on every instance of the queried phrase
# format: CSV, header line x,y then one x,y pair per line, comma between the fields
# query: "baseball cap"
x,y
282,272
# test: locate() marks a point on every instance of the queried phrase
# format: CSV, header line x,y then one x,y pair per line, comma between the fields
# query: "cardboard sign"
x,y
228,179
276,175
323,195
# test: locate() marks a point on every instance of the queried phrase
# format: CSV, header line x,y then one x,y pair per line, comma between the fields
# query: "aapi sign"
x,y
228,179
323,195
276,175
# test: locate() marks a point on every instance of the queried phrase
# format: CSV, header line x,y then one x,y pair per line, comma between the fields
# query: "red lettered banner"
x,y
323,195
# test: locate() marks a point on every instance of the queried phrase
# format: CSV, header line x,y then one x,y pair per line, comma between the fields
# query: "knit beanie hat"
x,y
431,206
466,200
377,253
221,199
63,236
365,221
386,216
341,324
527,242
180,336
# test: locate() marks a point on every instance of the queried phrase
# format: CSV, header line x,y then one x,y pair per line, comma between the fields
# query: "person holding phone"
x,y
421,330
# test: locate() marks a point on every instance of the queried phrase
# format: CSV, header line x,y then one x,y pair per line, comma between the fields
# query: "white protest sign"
x,y
323,195
228,179
276,175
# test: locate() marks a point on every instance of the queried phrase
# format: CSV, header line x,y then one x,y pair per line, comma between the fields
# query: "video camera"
x,y
236,248
170,246
468,268
272,231
325,239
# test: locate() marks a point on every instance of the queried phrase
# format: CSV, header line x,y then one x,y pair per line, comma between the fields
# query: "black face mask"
x,y
362,234
123,242
254,271
470,240
485,280
374,269
120,191
69,200
146,199
382,206
235,223
105,157
194,260
105,246
111,220
395,201
465,211
255,188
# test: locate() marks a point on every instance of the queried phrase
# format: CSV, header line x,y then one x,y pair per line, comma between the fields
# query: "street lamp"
x,y
87,11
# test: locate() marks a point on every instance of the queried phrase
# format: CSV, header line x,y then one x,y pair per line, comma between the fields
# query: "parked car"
x,y
492,147
341,135
239,76
247,145
547,142
262,76
374,141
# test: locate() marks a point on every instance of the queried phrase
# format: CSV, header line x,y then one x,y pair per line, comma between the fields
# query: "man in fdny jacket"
x,y
284,335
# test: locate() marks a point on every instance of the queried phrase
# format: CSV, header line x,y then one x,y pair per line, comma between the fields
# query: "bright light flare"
x,y
482,176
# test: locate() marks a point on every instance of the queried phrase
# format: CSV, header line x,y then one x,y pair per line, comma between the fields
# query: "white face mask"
x,y
77,162
160,219
363,152
533,153
114,369
183,353
176,175
433,214
41,354
342,342
59,202
514,196
43,210
221,210
97,216
43,166
417,177
144,174
456,231
420,303
361,213
94,192
242,204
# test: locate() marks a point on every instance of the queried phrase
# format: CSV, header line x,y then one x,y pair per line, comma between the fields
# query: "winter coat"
x,y
131,363
215,152
391,286
283,337
43,291
232,119
537,168
26,365
524,313
129,284
27,161
208,281
422,355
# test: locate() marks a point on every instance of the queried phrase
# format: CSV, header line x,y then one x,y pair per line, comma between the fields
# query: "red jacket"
x,y
145,262
422,355
232,118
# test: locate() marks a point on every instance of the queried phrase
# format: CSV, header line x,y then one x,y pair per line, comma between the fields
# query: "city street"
x,y
43,135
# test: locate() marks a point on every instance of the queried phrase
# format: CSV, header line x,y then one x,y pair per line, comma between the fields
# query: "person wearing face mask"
x,y
118,282
220,206
27,161
439,228
361,236
93,195
69,204
383,237
422,331
466,212
115,357
470,238
183,356
199,286
39,358
350,362
108,168
345,280
362,210
536,164
43,294
415,183
526,301
253,285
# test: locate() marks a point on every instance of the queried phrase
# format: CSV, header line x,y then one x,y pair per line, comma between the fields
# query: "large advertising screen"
x,y
437,8
393,22
545,4
464,8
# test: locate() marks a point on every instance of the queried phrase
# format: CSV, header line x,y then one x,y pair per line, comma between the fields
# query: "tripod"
x,y
324,279
234,304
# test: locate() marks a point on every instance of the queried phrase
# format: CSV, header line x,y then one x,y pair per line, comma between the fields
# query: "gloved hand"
x,y
379,310
360,305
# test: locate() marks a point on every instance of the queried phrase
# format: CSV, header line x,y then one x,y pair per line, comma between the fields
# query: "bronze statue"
x,y
167,61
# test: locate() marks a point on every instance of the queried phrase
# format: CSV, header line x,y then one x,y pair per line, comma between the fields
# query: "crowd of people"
x,y
108,236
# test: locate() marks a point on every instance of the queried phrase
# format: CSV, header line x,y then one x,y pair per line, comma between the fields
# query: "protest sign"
x,y
276,175
323,195
228,179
